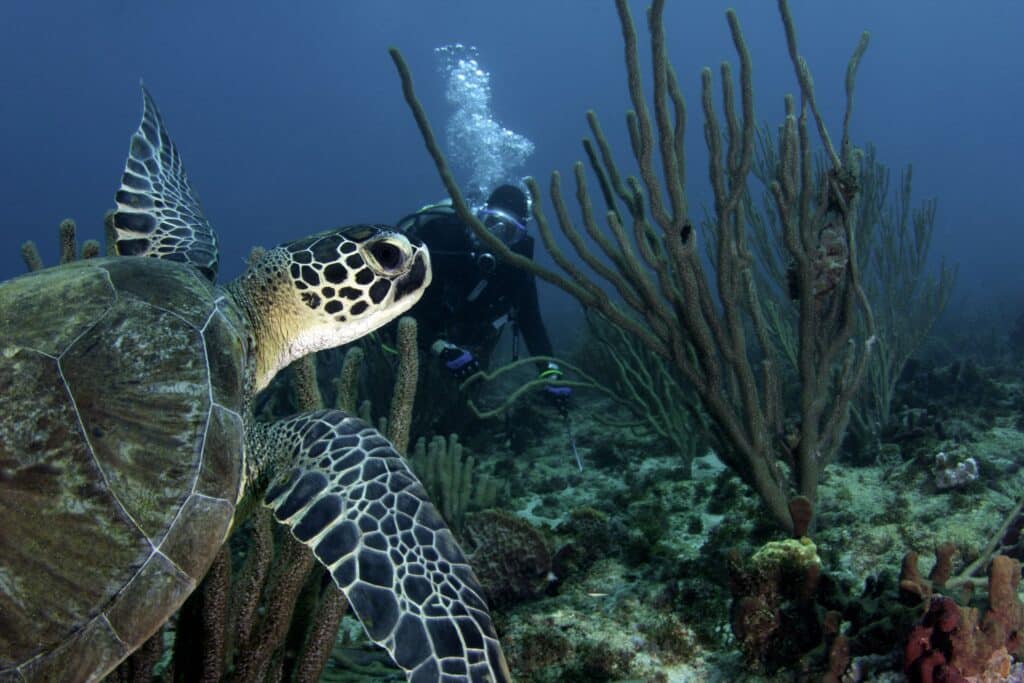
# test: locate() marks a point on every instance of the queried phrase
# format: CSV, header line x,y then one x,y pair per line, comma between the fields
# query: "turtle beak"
x,y
416,281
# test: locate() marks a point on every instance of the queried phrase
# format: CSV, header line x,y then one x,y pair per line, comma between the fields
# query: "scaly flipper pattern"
x,y
351,498
158,213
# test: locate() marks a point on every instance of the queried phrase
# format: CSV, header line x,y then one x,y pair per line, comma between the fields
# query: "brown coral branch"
x,y
320,641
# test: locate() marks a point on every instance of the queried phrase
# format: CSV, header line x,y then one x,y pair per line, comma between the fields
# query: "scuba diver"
x,y
474,295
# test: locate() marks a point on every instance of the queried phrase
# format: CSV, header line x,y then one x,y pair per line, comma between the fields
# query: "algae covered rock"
x,y
773,612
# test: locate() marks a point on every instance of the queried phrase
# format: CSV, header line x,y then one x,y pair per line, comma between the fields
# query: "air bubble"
x,y
477,144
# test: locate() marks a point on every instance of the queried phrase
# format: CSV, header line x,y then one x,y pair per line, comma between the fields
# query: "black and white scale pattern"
x,y
351,498
158,213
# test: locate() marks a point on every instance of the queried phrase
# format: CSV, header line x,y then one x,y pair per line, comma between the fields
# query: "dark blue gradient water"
x,y
290,118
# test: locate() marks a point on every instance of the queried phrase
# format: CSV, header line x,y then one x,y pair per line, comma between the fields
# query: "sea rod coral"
x,y
712,326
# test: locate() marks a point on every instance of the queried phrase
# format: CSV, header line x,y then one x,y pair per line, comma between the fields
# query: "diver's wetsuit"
x,y
473,293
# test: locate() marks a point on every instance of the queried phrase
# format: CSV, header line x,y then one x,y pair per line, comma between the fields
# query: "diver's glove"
x,y
555,394
456,360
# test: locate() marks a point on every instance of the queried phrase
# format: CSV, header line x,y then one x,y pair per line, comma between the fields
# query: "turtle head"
x,y
327,290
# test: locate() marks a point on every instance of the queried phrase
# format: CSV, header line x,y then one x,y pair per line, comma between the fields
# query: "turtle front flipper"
x,y
350,497
158,213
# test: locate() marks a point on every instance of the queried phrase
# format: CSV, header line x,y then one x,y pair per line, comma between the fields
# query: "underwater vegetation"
x,y
779,328
720,335
780,480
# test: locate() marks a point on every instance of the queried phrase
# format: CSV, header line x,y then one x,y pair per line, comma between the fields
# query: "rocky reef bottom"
x,y
642,567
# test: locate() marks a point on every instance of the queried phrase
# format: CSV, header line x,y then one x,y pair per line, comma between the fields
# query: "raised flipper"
x,y
158,213
347,494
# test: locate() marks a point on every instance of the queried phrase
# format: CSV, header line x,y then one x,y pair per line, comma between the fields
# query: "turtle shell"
x,y
122,390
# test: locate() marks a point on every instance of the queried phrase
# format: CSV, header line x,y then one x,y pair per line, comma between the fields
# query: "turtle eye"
x,y
389,256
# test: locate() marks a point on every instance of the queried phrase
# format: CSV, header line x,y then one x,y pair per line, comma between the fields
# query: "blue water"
x,y
290,119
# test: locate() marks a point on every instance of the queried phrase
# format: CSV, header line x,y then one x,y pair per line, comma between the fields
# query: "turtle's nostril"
x,y
387,254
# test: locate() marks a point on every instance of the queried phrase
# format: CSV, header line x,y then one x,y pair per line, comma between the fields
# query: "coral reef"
x,y
659,562
773,612
67,234
954,643
510,556
717,335
952,472
452,480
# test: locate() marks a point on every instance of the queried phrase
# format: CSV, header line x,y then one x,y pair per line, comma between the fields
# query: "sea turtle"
x,y
127,442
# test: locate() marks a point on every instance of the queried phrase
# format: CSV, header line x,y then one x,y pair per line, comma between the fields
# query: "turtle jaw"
x,y
328,335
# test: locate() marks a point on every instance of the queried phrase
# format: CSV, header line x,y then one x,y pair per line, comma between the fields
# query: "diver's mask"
x,y
502,225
